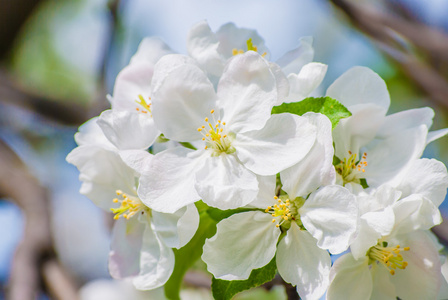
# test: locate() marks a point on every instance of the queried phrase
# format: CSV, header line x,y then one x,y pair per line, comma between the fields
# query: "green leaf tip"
x,y
330,107
225,290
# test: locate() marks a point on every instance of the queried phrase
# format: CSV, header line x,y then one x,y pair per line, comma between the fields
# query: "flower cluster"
x,y
224,134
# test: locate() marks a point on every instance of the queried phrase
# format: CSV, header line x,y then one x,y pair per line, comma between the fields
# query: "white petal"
x,y
360,85
331,216
294,60
243,242
386,158
128,130
223,182
176,230
381,221
378,199
436,134
247,92
285,140
350,279
358,130
316,169
383,289
305,82
302,263
202,45
150,50
182,97
421,279
427,177
138,160
124,255
90,133
232,37
412,118
266,192
132,81
168,185
415,212
281,82
102,172
156,262
372,226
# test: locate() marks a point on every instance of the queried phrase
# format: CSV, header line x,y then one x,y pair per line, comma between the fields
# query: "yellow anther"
x,y
406,248
199,129
206,119
392,272
115,200
223,123
212,111
273,220
277,225
275,197
234,51
203,139
118,192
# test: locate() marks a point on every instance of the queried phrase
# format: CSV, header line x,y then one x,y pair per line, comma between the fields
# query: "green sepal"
x,y
186,256
363,183
225,290
330,107
188,145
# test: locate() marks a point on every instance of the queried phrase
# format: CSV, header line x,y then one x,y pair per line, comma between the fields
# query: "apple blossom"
x,y
249,240
241,140
213,50
142,238
129,123
371,146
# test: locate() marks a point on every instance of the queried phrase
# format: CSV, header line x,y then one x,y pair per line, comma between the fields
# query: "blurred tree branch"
x,y
401,39
35,265
34,257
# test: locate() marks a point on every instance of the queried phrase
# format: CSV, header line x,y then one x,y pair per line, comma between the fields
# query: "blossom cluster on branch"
x,y
222,155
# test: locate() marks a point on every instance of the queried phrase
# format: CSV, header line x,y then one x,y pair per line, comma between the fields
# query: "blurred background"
x,y
59,60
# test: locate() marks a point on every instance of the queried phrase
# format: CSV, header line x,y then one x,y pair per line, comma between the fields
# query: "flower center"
x,y
250,47
216,136
145,106
285,211
351,169
129,206
389,257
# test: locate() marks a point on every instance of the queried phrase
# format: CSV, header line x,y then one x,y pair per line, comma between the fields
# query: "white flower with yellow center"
x,y
245,241
241,140
212,51
129,124
391,256
371,146
142,238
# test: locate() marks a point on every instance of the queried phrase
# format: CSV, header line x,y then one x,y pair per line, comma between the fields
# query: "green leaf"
x,y
218,214
330,107
225,290
186,256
